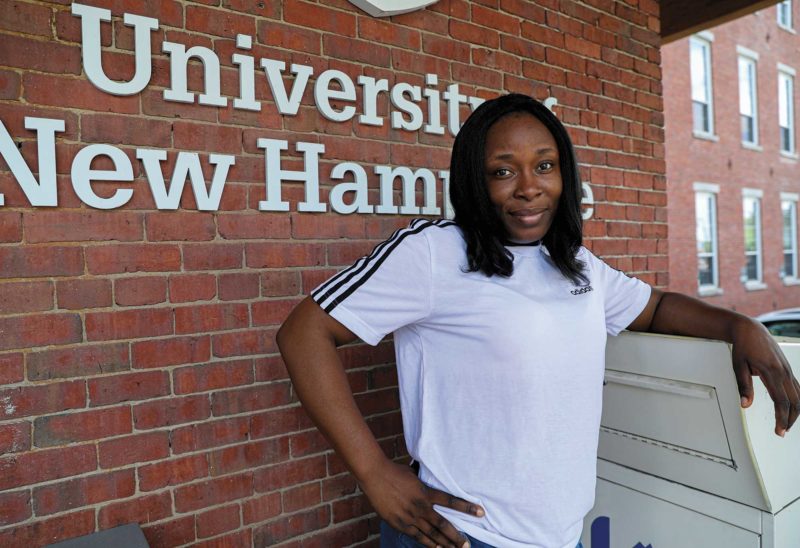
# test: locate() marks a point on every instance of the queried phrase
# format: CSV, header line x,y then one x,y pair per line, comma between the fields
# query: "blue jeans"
x,y
392,538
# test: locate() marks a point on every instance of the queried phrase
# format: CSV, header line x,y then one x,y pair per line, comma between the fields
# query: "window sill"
x,y
790,155
709,291
791,281
705,136
752,146
787,29
753,285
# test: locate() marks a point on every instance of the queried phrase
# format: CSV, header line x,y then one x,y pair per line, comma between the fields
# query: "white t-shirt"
x,y
500,378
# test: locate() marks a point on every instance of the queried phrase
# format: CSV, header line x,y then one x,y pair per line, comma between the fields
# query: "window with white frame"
x,y
700,63
748,96
705,200
789,215
785,14
751,202
786,108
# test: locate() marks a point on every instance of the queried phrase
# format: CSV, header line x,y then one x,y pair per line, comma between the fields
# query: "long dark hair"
x,y
476,216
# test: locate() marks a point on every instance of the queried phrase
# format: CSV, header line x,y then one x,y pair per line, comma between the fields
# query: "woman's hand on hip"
x,y
405,503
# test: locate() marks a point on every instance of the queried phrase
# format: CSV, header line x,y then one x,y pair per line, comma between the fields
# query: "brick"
x,y
78,361
253,398
46,465
210,434
238,286
350,508
78,294
212,256
15,437
249,455
240,538
171,411
261,508
171,533
358,51
211,317
280,35
213,492
145,509
446,48
40,55
20,297
212,376
172,351
172,472
67,526
40,262
293,472
128,324
202,138
473,34
218,22
278,421
14,507
84,491
302,496
244,343
125,130
308,443
10,221
291,526
386,33
272,312
25,401
50,90
12,369
140,291
254,226
192,226
279,283
116,259
192,287
128,387
318,17
75,427
133,449
217,521
279,255
338,487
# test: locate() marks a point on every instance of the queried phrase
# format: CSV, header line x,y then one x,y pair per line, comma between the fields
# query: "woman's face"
x,y
523,175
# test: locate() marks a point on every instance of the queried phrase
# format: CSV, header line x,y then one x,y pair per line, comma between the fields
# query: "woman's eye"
x,y
546,166
502,172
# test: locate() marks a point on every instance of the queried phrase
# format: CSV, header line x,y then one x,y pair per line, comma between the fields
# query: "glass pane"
x,y
748,129
704,229
787,210
752,267
705,270
746,87
784,328
701,119
750,221
697,59
786,140
788,265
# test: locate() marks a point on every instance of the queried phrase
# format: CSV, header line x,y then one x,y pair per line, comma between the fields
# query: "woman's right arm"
x,y
308,341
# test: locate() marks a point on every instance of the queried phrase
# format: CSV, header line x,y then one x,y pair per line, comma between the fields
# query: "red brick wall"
x,y
728,164
140,379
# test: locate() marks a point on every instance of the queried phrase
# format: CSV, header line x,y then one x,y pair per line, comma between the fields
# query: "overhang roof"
x,y
681,18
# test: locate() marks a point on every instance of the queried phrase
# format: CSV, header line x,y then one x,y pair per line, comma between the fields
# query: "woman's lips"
x,y
529,216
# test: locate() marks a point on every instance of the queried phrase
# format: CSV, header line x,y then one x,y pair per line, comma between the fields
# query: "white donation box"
x,y
680,463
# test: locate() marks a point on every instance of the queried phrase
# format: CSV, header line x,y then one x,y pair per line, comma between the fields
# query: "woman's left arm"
x,y
755,352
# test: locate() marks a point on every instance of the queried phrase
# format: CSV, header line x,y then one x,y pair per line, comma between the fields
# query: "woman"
x,y
500,320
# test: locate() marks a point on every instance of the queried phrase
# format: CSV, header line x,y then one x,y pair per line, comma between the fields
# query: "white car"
x,y
782,323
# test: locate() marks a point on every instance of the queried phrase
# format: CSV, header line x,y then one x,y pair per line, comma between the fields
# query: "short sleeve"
x,y
384,291
624,297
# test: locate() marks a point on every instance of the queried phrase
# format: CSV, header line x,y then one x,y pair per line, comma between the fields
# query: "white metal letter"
x,y
90,42
83,176
409,179
178,66
287,104
358,187
400,102
186,166
275,175
323,95
247,68
43,192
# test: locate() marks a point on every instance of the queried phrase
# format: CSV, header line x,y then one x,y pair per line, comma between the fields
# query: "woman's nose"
x,y
528,186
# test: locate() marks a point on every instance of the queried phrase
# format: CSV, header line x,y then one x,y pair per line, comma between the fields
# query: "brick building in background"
x,y
140,377
732,161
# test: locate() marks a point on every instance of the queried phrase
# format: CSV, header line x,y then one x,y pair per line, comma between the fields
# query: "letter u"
x,y
92,63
